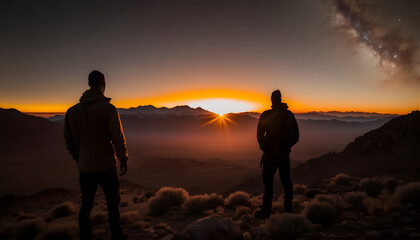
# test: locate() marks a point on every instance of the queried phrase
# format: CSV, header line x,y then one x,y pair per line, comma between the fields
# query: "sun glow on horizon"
x,y
223,106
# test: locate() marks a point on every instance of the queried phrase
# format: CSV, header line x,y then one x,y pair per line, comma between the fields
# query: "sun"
x,y
222,106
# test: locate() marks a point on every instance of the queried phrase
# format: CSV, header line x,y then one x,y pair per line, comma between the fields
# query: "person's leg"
x,y
268,172
111,186
88,186
284,171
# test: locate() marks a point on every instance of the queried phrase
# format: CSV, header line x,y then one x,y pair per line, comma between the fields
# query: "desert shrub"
x,y
142,225
165,198
64,209
375,206
329,198
300,188
312,192
390,183
356,200
62,232
320,212
242,210
162,226
123,204
6,231
29,229
99,217
255,201
372,186
286,226
129,217
199,203
277,207
341,179
237,198
409,194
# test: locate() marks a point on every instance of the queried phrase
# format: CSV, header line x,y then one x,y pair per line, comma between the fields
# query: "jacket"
x,y
93,133
277,130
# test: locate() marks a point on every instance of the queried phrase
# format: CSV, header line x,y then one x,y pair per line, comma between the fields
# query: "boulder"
x,y
210,228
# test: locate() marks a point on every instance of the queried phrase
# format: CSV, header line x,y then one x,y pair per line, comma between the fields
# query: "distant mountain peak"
x,y
152,110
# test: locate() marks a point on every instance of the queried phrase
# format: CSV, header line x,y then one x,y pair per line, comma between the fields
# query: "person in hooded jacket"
x,y
94,137
277,132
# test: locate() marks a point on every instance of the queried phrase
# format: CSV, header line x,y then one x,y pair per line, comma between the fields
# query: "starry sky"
x,y
322,55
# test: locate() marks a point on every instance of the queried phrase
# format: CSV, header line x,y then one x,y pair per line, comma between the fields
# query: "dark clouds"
x,y
394,50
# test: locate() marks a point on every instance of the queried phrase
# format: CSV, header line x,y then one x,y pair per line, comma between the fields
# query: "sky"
x,y
322,55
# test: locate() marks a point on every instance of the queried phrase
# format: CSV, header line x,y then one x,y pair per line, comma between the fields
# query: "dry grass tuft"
x,y
342,179
286,226
409,194
237,198
64,209
372,186
130,217
320,212
165,198
199,203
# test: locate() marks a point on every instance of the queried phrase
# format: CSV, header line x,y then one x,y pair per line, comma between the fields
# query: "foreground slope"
x,y
392,149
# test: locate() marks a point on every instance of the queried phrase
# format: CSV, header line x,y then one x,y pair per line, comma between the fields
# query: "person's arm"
x,y
261,133
118,139
294,130
69,138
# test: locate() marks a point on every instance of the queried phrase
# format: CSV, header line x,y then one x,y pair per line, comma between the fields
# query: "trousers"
x,y
109,182
270,166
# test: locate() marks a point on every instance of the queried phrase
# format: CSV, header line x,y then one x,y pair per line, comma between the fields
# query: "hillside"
x,y
21,133
392,149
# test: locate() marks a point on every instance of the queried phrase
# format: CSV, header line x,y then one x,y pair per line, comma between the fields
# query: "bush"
x,y
300,188
141,225
29,229
329,198
286,226
130,217
341,179
242,210
320,212
277,207
99,217
199,203
237,198
409,194
255,201
64,209
165,198
312,192
356,200
390,183
63,232
372,186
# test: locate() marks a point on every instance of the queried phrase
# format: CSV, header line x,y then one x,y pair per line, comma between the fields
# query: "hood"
x,y
280,107
93,95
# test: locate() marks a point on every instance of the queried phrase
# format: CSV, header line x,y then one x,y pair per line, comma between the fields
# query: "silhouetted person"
x,y
92,131
277,132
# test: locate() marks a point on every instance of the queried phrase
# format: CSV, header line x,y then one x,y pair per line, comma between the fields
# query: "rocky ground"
x,y
339,208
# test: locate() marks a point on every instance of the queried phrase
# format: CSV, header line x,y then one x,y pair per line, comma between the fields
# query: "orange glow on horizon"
x,y
256,101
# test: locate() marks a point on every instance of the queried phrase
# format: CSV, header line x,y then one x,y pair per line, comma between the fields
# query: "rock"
x,y
374,235
257,231
407,220
314,236
316,227
414,236
247,236
168,237
209,228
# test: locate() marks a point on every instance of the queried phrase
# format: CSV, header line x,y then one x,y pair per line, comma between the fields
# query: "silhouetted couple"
x,y
94,138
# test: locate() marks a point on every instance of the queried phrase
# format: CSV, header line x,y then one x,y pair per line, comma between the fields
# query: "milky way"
x,y
389,46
